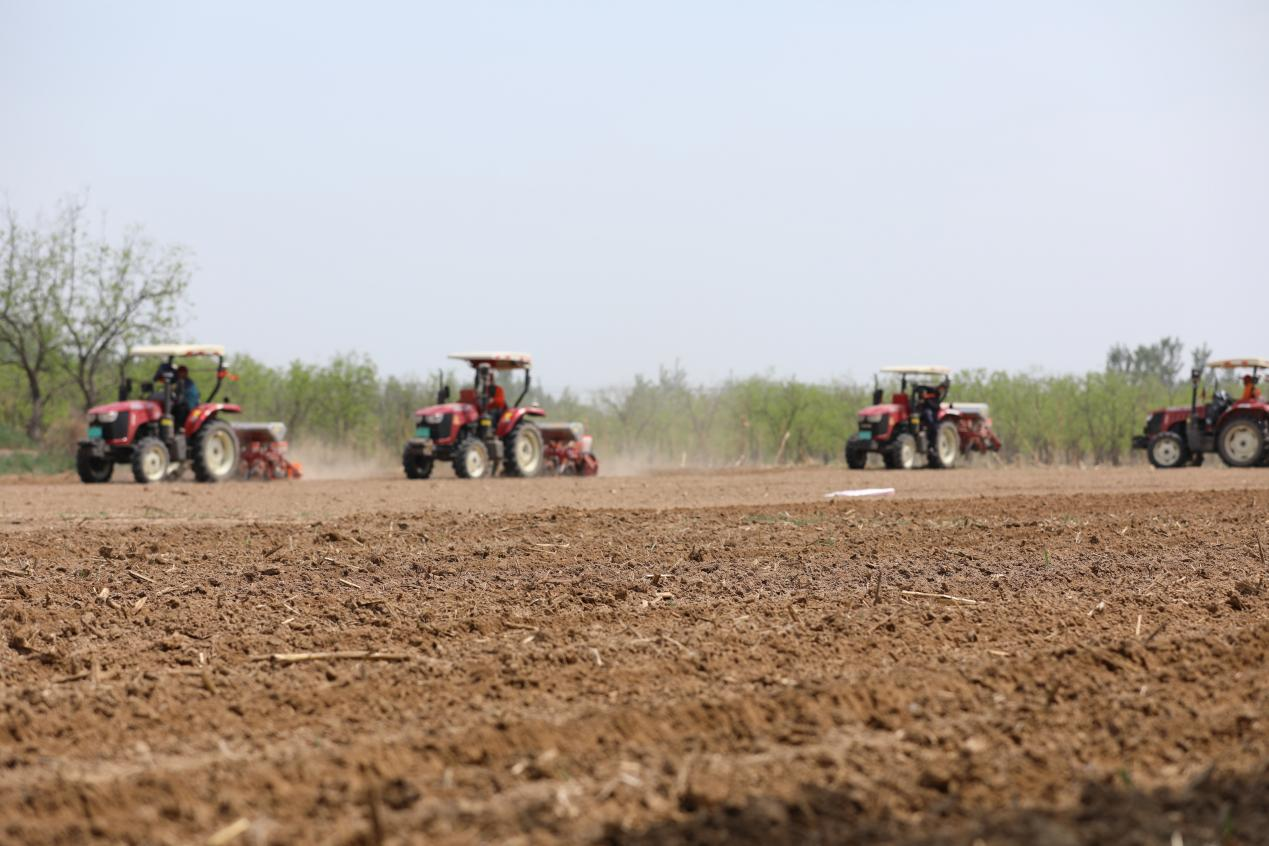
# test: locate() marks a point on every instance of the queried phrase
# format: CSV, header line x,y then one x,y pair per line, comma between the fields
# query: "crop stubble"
x,y
1067,668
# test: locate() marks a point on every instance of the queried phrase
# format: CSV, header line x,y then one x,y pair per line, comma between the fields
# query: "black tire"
x,y
1241,442
901,454
214,452
471,459
946,446
150,460
92,469
1167,451
523,450
856,458
417,466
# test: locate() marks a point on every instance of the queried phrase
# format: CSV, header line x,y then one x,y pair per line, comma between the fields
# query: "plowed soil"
x,y
994,656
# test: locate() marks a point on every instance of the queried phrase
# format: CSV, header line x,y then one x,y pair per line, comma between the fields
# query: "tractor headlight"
x,y
104,417
433,418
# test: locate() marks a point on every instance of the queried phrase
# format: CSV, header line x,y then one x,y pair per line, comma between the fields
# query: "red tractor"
x,y
1235,428
480,433
165,430
918,421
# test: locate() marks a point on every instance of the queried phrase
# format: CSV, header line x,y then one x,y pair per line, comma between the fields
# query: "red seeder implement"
x,y
263,449
568,449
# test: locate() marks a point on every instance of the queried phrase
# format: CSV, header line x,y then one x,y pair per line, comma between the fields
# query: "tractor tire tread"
x,y
416,467
138,451
1261,451
510,465
197,459
89,471
460,455
1184,452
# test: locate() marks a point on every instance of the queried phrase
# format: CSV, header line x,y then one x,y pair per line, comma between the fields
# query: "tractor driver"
x,y
929,399
484,386
1250,392
185,396
164,375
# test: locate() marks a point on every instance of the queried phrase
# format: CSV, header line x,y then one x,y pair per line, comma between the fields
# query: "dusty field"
x,y
699,658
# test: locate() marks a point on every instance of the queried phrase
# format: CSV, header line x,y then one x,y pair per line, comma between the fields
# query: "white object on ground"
x,y
862,492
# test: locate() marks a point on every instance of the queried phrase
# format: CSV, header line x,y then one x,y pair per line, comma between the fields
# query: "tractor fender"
x,y
1252,409
512,417
207,411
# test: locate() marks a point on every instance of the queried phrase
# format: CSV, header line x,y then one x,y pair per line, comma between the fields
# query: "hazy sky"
x,y
798,188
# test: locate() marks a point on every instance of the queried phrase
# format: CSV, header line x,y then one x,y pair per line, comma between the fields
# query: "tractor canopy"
x,y
1252,362
496,360
918,369
177,351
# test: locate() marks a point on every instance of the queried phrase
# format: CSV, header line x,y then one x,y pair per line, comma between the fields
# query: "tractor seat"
x,y
1220,401
467,395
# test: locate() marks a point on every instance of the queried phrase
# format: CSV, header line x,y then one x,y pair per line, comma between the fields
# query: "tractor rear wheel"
x,y
93,470
856,458
471,459
947,446
523,449
902,452
1167,451
1241,442
214,452
416,466
149,461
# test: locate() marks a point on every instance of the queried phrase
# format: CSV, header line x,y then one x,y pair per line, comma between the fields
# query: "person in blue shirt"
x,y
186,397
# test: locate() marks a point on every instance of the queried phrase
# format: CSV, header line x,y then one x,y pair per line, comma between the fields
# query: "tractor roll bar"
x,y
527,380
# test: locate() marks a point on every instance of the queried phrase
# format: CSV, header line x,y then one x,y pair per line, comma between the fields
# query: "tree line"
x,y
72,303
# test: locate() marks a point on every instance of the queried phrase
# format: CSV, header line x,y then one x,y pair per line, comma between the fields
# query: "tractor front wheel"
x,y
93,470
856,458
149,461
1241,442
902,452
523,447
214,452
1167,451
471,459
417,466
947,446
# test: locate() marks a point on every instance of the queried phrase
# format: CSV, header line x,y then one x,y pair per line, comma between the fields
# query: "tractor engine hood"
x,y
446,408
885,409
119,407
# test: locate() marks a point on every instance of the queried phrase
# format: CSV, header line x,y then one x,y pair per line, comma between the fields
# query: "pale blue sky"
x,y
802,188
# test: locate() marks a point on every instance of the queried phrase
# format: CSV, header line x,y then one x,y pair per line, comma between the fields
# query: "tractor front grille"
x,y
441,431
878,429
116,429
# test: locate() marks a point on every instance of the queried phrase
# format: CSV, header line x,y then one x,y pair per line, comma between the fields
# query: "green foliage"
x,y
70,306
1159,362
27,462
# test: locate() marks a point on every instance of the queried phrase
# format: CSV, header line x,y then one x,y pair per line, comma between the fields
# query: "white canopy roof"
x,y
178,350
936,369
1229,363
496,360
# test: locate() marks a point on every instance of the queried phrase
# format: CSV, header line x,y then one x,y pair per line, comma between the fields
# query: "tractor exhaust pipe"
x,y
1192,425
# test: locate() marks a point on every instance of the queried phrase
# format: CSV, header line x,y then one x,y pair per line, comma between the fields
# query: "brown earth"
x,y
693,658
